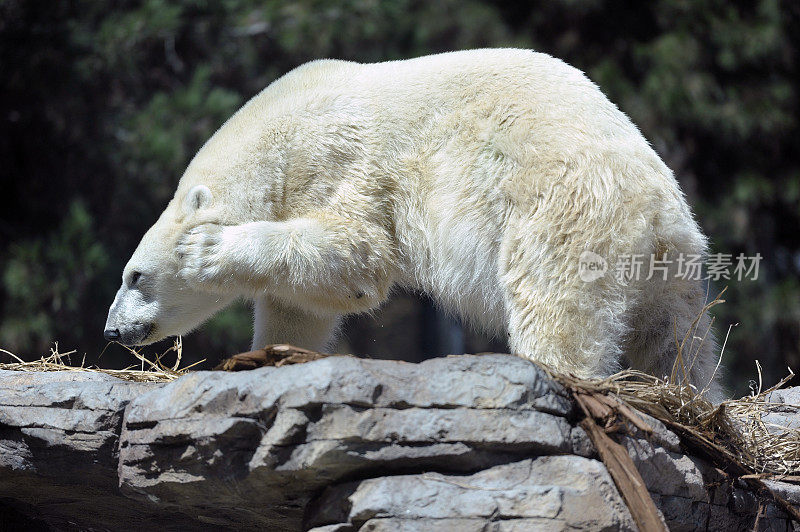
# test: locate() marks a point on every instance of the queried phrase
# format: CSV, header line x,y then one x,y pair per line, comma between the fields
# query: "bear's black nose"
x,y
112,335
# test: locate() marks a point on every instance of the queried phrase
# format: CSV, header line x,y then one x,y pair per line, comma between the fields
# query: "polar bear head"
x,y
154,301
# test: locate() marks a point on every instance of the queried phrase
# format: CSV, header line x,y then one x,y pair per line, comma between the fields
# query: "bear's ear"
x,y
198,198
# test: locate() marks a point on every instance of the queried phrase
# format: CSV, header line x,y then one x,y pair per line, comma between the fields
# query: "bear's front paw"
x,y
203,255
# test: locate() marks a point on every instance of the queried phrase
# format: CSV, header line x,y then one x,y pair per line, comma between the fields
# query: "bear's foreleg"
x,y
302,274
323,264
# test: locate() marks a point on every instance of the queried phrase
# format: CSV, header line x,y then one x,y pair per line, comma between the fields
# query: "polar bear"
x,y
482,178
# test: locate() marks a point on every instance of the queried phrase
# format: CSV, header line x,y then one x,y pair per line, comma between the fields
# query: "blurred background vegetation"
x,y
102,108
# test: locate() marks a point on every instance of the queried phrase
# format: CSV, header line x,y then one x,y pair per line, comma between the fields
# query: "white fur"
x,y
478,177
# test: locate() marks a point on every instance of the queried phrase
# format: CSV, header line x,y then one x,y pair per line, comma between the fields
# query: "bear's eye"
x,y
135,276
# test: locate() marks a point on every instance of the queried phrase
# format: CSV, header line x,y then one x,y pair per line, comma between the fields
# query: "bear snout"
x,y
134,334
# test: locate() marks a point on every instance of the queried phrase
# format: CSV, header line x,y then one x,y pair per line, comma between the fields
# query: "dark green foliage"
x,y
101,110
47,281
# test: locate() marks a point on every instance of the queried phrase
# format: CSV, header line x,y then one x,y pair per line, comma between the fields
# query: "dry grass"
x,y
733,430
766,448
149,371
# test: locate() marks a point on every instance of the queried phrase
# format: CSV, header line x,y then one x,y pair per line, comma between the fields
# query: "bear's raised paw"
x,y
203,254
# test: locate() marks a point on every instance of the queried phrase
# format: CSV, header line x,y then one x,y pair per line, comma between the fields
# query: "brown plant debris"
x,y
616,458
272,355
731,435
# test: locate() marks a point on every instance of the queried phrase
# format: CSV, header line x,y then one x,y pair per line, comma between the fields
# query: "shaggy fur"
x,y
477,177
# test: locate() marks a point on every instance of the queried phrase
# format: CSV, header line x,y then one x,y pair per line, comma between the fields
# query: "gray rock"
x,y
692,494
790,492
581,444
551,492
458,525
785,412
59,433
280,434
458,443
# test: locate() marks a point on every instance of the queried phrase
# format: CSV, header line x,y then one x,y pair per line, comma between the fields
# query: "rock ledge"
x,y
467,442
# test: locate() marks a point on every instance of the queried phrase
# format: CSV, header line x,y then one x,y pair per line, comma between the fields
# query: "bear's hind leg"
x,y
561,334
555,317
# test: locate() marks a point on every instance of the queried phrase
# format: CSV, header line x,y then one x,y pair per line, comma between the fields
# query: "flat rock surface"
x,y
546,493
278,435
468,442
785,410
